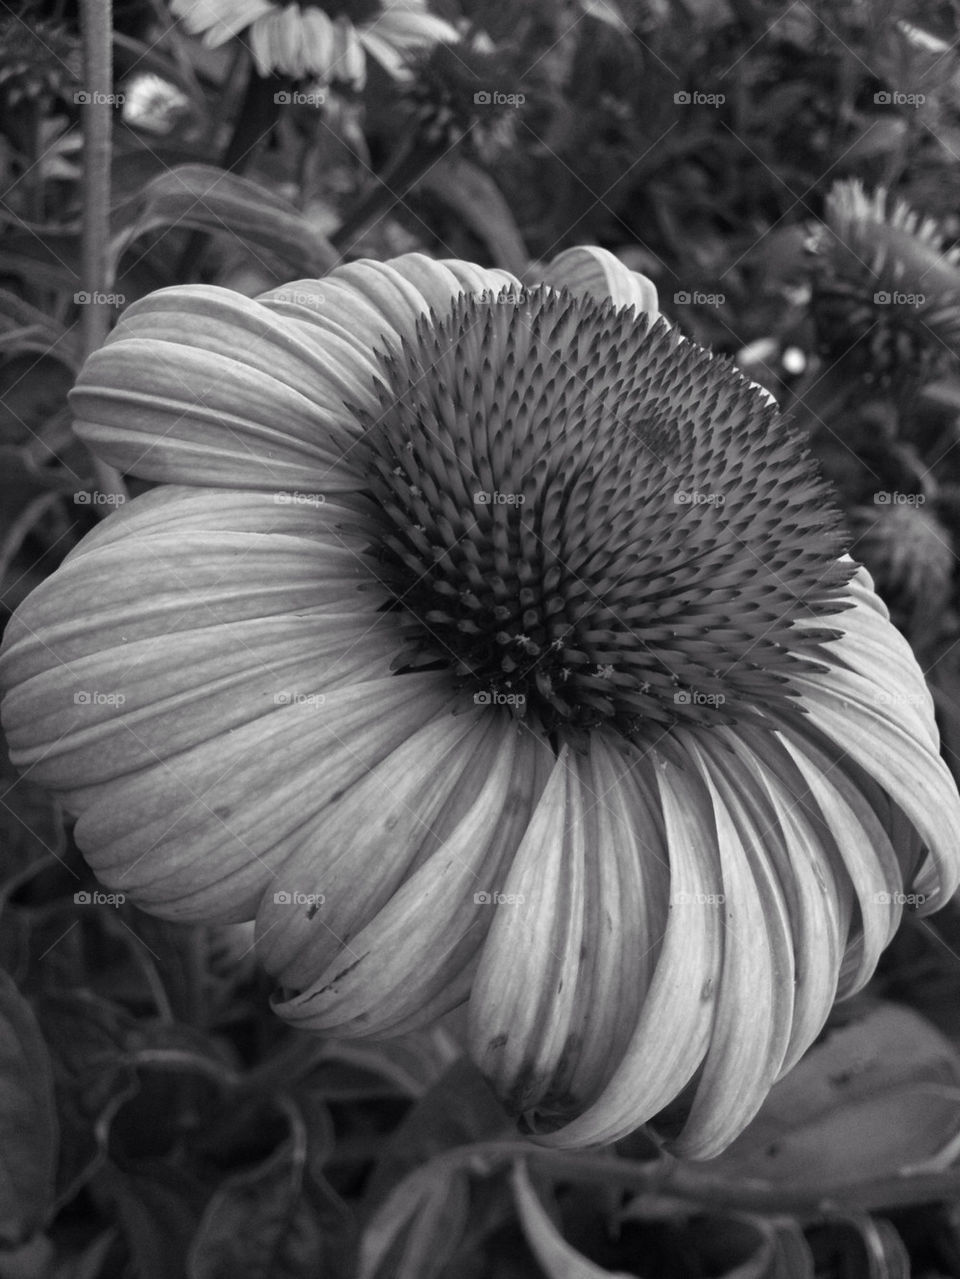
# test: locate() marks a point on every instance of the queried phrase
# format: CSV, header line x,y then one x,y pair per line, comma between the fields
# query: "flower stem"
x,y
391,187
97,111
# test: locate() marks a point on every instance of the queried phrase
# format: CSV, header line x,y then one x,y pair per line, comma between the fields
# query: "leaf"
x,y
28,1119
474,195
246,1231
556,1257
418,1227
458,1110
876,1097
87,1038
200,197
158,1210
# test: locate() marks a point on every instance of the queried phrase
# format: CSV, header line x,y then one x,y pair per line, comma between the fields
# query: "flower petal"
x,y
200,836
672,1033
597,273
218,20
204,386
400,953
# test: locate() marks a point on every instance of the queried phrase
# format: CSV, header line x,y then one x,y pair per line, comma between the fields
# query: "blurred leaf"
x,y
862,1246
247,1229
418,1227
200,197
87,1039
875,1097
457,1110
28,1120
474,195
556,1257
158,1211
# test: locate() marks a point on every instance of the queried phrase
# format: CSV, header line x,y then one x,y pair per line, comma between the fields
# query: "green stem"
x,y
391,187
96,18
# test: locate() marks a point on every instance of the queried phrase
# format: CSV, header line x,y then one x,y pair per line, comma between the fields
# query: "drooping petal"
x,y
218,20
201,385
754,1010
598,274
398,953
656,1065
200,836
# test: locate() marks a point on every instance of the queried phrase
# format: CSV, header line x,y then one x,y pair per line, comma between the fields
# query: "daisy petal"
x,y
655,1067
400,968
596,273
202,385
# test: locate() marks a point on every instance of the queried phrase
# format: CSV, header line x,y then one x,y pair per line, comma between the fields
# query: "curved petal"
x,y
204,386
200,836
401,952
597,273
218,20
376,305
672,1033
754,1016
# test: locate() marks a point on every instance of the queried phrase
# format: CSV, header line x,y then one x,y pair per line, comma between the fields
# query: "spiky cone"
x,y
490,645
329,41
910,555
886,292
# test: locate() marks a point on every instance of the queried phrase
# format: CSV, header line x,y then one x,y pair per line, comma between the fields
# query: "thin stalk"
x,y
96,18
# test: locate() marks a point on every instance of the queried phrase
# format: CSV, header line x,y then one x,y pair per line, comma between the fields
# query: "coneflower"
x,y
886,289
488,643
327,41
